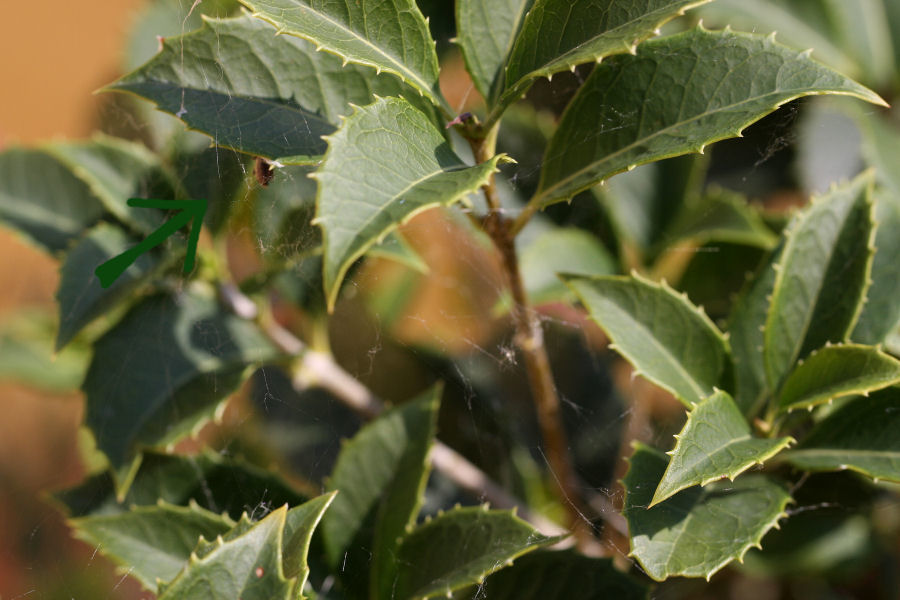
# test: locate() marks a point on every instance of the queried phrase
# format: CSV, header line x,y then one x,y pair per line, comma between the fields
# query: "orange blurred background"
x,y
55,53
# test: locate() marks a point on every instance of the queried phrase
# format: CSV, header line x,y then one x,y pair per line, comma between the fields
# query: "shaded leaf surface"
x,y
300,524
43,199
821,279
164,369
558,35
152,542
838,371
699,530
715,443
390,36
460,547
720,82
667,339
861,436
409,167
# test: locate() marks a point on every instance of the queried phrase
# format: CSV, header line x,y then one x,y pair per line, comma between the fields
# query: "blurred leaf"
x,y
151,542
715,443
722,216
380,476
283,213
245,564
164,370
459,548
635,93
862,29
357,211
860,436
41,198
564,575
559,35
835,372
822,276
27,356
216,175
391,37
828,144
667,339
561,250
116,170
396,248
80,296
699,530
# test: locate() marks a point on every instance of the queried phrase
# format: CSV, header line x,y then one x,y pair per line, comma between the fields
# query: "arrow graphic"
x,y
190,211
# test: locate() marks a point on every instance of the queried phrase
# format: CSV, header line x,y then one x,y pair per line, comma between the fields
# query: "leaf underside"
x,y
721,82
667,339
699,530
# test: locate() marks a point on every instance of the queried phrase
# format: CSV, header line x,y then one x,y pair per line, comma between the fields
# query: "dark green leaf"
x,y
380,477
667,339
699,530
245,564
459,548
715,443
837,371
283,214
390,36
860,436
559,35
165,369
721,82
822,276
41,198
384,165
151,542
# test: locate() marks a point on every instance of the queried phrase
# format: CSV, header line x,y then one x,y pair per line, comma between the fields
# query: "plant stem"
x,y
530,340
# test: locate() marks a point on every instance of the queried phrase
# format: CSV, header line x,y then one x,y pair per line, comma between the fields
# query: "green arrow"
x,y
189,211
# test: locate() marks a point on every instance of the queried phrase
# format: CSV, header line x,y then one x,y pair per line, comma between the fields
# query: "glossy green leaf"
x,y
667,339
300,524
165,369
835,372
390,36
41,198
860,436
721,82
151,542
746,327
460,548
701,529
116,170
229,80
822,276
715,443
561,250
380,477
565,575
80,296
384,165
486,32
218,484
245,564
559,35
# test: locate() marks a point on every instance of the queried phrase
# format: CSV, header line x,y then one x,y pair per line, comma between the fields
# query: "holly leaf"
x,y
822,276
152,542
460,548
486,32
860,436
41,198
744,77
245,563
228,80
559,35
699,530
164,370
666,338
390,36
300,524
715,443
360,200
835,372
